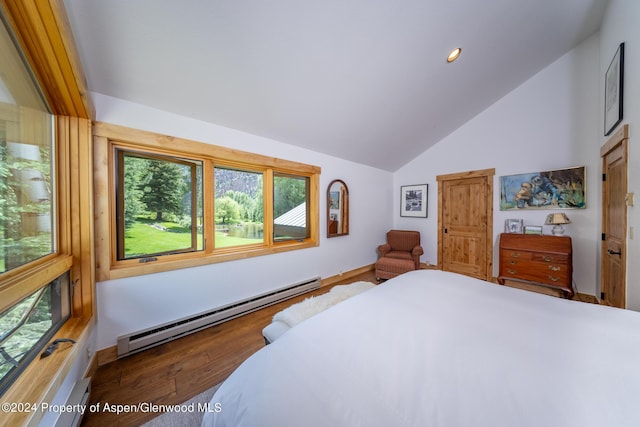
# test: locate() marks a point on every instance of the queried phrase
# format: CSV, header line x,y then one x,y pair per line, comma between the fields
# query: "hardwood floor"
x,y
175,372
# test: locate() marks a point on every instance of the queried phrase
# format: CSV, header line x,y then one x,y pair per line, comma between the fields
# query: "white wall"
x,y
131,304
549,122
622,24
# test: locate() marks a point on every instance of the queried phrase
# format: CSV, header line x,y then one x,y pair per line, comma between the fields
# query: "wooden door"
x,y
465,220
614,219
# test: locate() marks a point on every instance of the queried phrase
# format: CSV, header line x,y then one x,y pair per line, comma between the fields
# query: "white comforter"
x,y
430,348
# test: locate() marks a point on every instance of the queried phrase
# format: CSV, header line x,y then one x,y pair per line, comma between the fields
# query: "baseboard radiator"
x,y
151,337
77,400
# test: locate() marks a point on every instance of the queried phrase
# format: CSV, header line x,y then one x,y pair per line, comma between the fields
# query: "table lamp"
x,y
557,219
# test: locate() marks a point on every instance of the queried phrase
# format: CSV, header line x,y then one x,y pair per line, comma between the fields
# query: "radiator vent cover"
x,y
151,337
78,398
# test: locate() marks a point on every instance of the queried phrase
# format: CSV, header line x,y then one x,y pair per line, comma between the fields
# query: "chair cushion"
x,y
386,267
399,255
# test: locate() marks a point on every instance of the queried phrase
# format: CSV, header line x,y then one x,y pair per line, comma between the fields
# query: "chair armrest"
x,y
384,249
415,254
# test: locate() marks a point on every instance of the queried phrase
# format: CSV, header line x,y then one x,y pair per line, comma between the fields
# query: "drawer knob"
x,y
512,262
554,278
554,268
515,255
511,271
547,258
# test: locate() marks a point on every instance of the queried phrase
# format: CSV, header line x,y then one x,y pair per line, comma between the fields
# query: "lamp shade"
x,y
557,218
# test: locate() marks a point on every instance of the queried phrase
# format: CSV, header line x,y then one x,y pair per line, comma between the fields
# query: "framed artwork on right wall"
x,y
613,91
556,189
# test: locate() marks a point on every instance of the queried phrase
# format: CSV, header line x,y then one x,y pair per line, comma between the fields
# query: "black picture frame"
x,y
413,200
613,91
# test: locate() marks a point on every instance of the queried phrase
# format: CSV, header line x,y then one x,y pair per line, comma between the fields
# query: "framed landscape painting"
x,y
559,189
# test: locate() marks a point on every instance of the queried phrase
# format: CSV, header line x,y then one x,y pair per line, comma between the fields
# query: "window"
x,y
290,207
26,189
195,204
239,207
26,327
46,223
159,205
36,261
26,164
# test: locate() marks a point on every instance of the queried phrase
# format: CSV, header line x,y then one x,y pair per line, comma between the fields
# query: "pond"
x,y
250,230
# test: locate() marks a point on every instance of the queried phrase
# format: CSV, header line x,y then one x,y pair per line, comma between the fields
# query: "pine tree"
x,y
135,170
163,188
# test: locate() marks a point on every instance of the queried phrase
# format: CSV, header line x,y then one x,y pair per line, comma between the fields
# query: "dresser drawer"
x,y
516,255
552,274
552,258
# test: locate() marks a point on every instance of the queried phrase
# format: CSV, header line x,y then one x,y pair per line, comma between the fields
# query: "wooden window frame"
x,y
42,31
308,205
242,168
37,383
107,138
72,183
120,227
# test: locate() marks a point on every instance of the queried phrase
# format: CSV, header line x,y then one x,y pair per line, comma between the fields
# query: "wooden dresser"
x,y
537,260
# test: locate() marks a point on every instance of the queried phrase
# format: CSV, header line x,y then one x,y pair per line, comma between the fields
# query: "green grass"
x,y
142,239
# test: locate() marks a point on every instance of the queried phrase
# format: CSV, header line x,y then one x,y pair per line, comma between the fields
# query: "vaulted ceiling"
x,y
364,80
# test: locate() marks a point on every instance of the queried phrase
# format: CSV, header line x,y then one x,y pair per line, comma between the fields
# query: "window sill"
x,y
134,268
41,380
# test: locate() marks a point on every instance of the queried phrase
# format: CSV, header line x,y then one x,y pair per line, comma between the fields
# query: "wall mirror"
x,y
337,209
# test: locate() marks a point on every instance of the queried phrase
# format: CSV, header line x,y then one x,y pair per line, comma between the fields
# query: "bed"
x,y
431,348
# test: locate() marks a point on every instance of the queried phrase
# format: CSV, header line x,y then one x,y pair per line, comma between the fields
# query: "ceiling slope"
x,y
364,80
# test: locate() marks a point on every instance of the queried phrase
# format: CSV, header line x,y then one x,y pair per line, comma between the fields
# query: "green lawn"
x,y
143,239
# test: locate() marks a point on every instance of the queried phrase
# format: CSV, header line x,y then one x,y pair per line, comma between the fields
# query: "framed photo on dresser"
x,y
533,229
513,226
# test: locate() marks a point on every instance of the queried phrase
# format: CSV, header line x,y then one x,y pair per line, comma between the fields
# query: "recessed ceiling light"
x,y
455,53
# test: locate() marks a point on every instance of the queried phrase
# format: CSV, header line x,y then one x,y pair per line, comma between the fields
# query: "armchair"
x,y
400,254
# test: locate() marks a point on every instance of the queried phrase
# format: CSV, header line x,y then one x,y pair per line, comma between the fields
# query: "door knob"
x,y
614,252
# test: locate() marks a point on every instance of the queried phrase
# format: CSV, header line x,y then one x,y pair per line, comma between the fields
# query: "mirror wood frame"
x,y
338,227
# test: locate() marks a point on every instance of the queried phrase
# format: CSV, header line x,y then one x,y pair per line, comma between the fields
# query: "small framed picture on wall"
x,y
413,200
